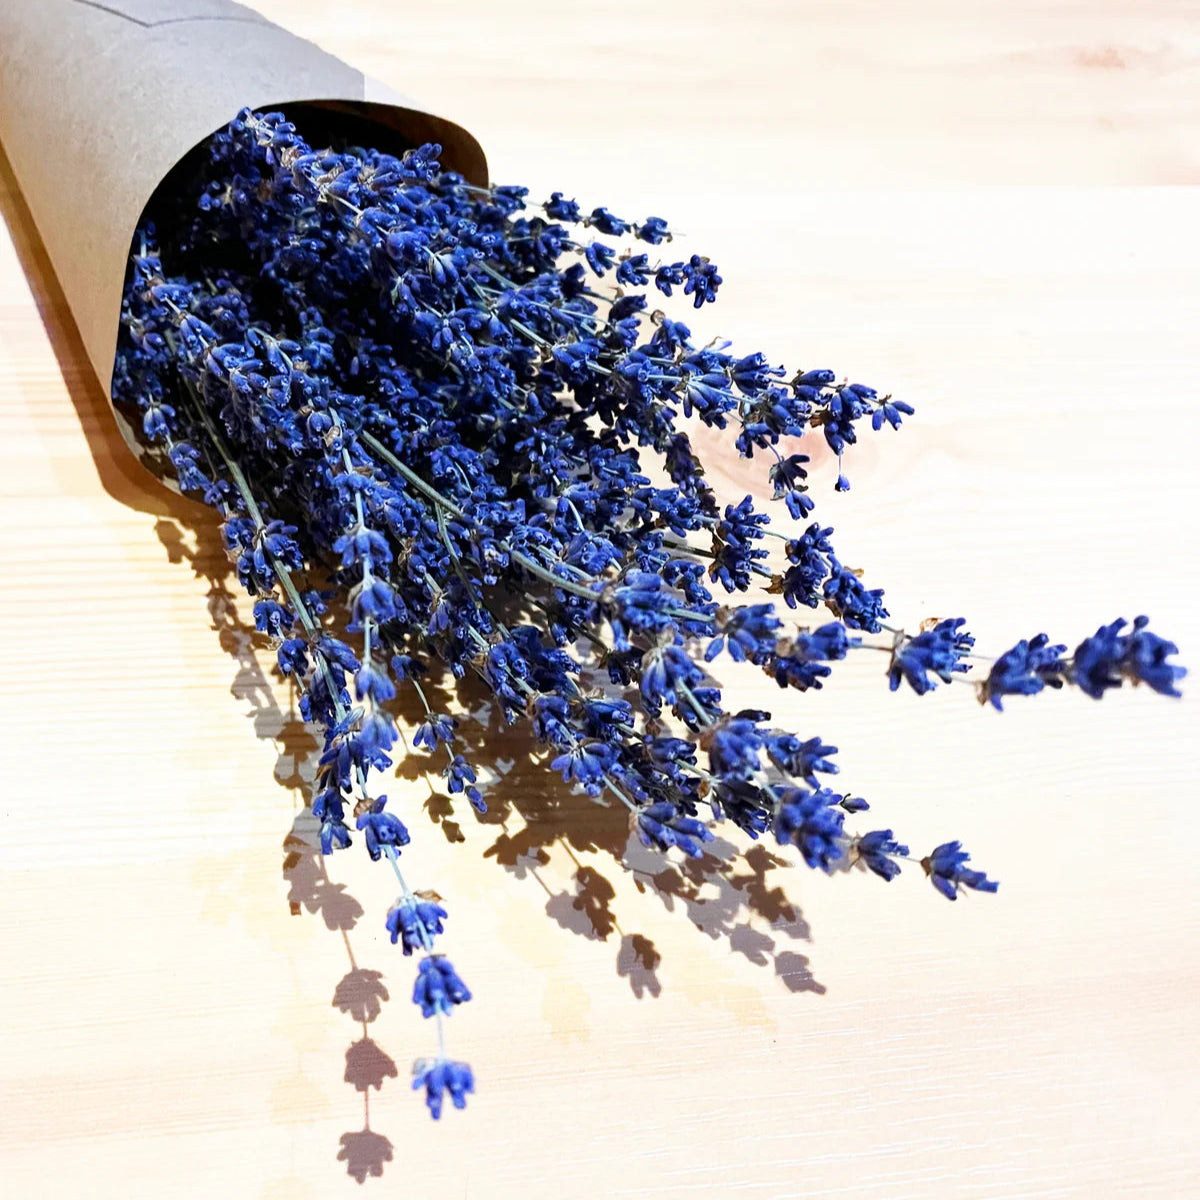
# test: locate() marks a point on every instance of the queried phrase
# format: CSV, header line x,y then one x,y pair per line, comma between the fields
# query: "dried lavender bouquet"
x,y
431,423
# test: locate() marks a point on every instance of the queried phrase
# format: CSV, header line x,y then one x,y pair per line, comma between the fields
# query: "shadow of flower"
x,y
361,994
309,885
638,960
793,969
587,912
364,1152
367,1066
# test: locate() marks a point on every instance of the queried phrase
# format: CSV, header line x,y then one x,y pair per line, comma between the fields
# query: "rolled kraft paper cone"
x,y
101,99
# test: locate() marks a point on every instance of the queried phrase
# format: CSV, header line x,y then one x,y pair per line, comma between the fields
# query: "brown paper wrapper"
x,y
101,99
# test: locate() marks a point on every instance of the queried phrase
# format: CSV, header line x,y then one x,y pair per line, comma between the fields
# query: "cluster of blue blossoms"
x,y
439,403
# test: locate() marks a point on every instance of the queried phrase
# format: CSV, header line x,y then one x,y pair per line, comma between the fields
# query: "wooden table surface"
x,y
989,209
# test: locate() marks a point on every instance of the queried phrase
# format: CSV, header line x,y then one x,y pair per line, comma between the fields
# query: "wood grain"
x,y
914,195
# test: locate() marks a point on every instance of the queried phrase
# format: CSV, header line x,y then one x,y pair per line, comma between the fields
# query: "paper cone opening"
x,y
103,107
